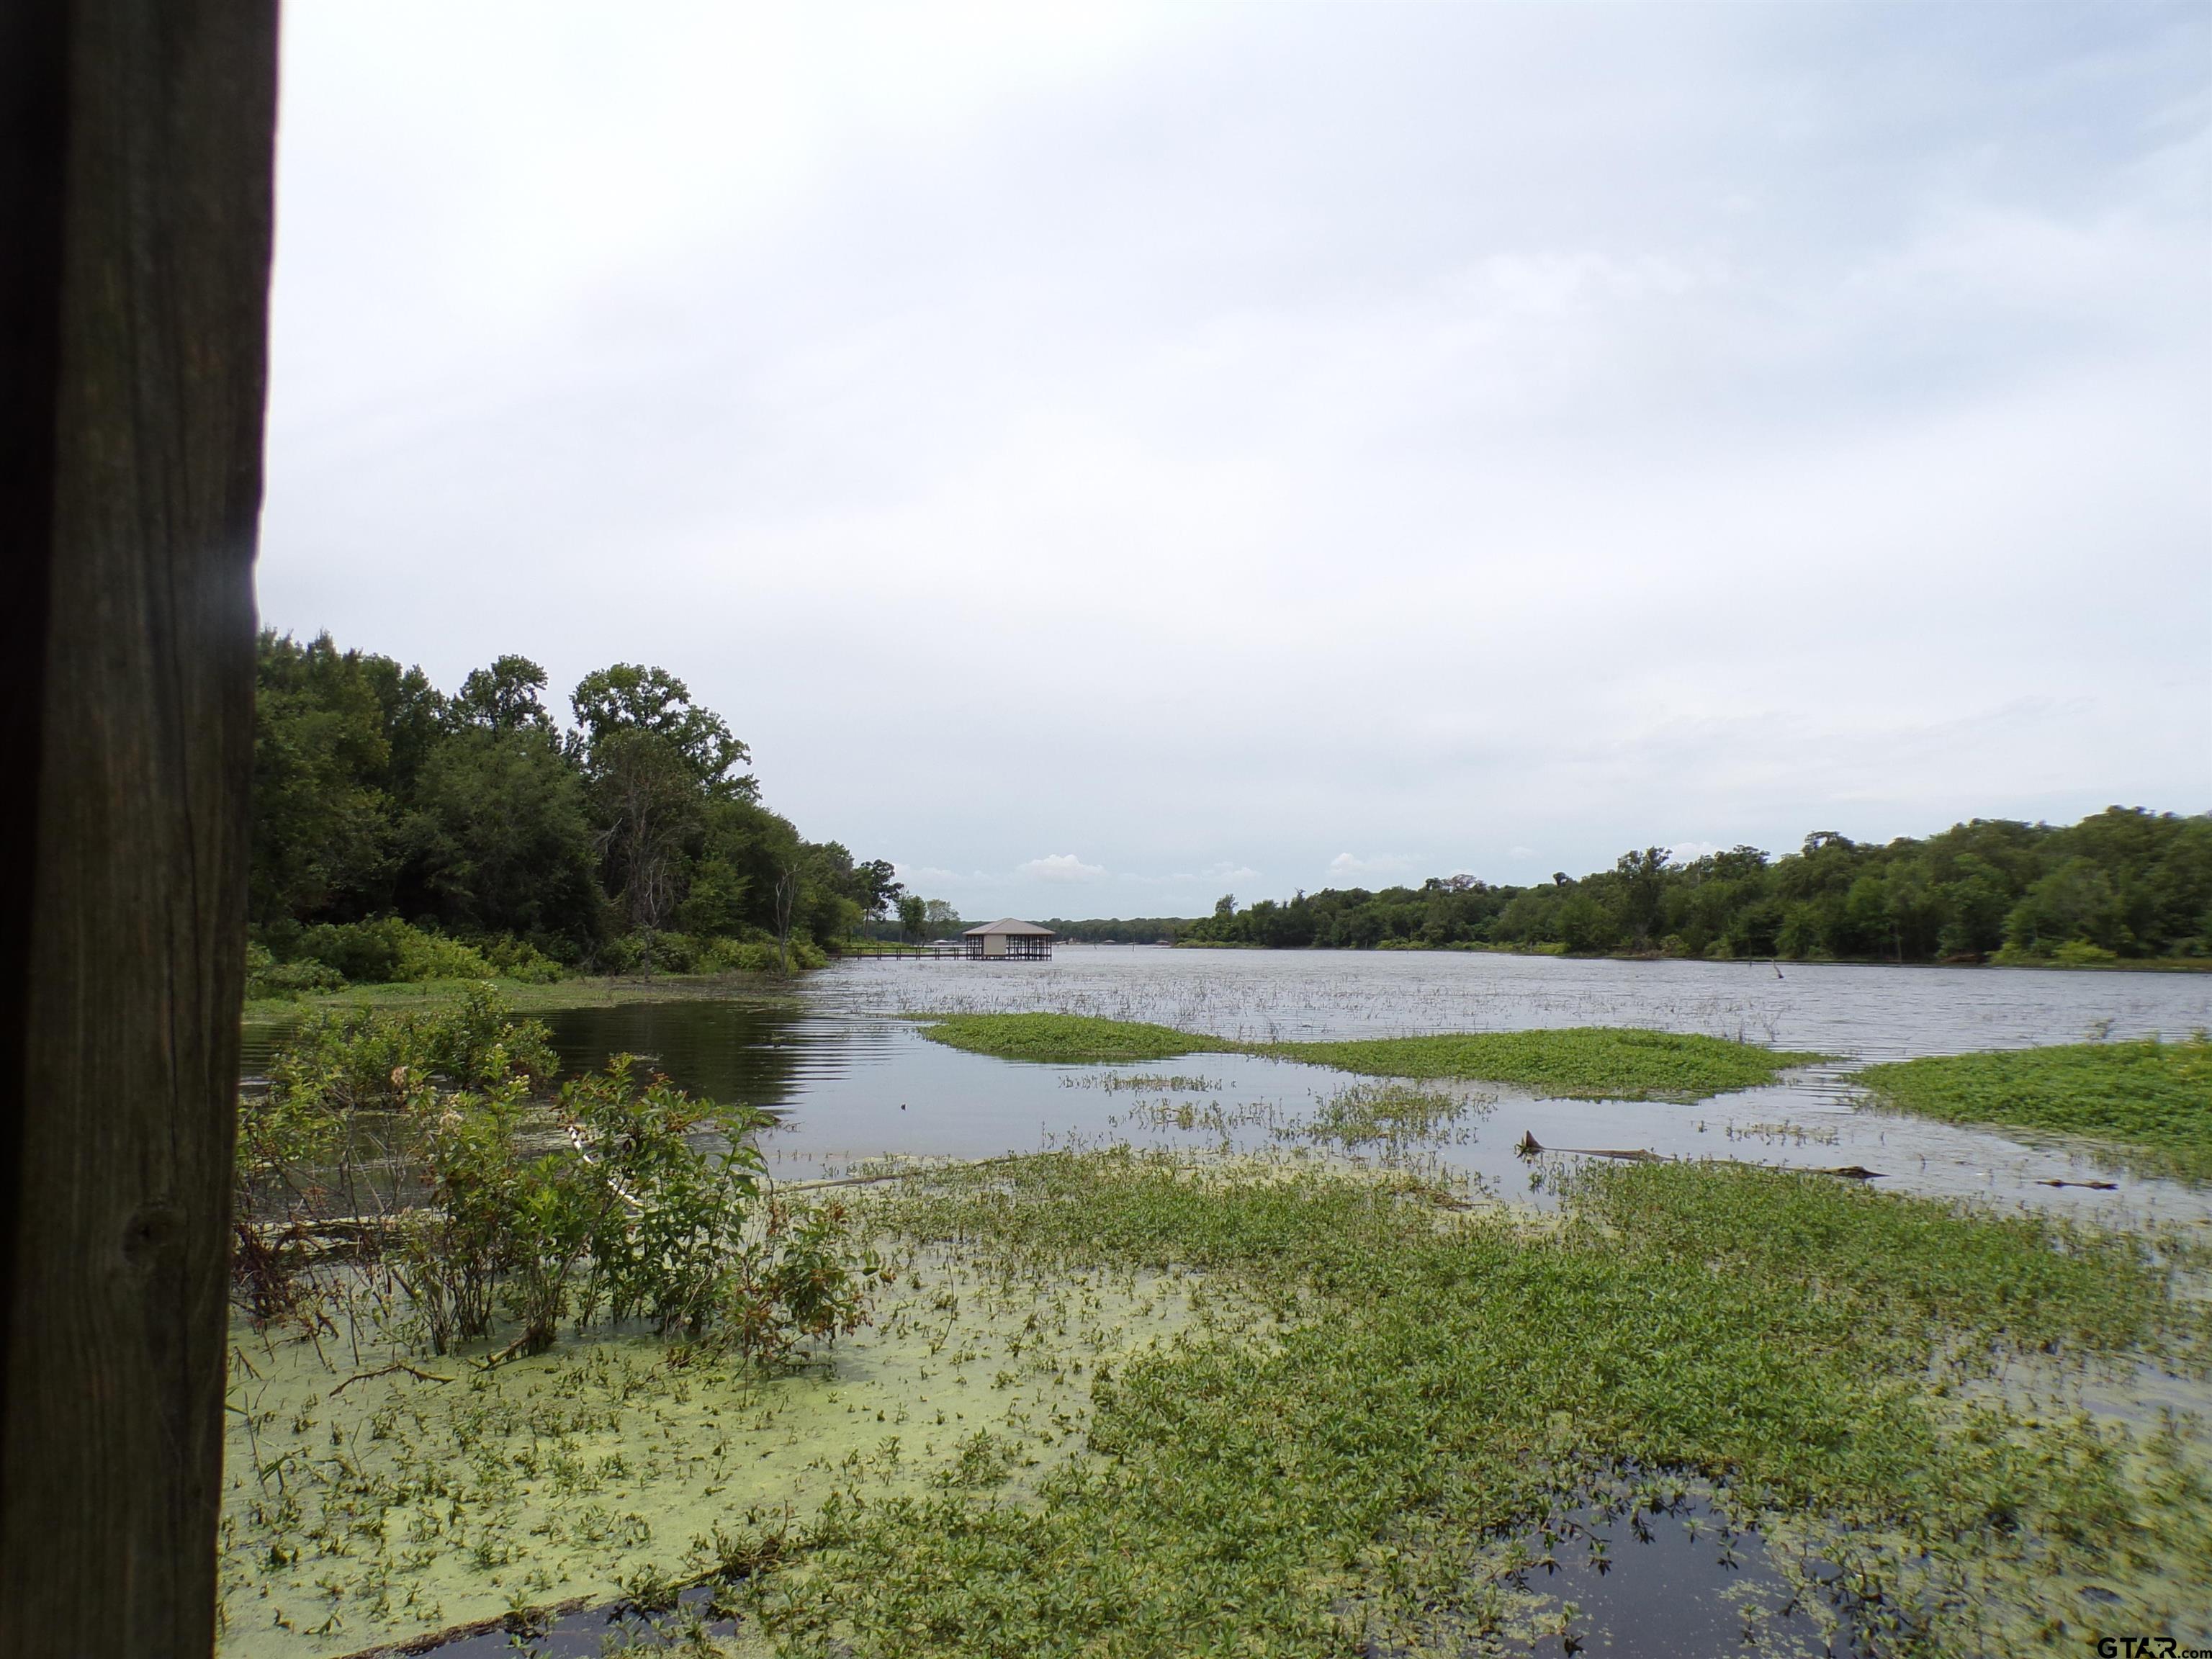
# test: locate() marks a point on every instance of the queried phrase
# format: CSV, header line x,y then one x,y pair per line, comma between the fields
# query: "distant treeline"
x,y
401,832
1135,930
2127,884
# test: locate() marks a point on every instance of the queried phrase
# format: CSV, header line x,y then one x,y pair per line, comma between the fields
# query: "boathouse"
x,y
997,940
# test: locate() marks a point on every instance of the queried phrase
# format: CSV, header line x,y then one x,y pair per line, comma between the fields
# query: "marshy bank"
x,y
1261,1354
1155,1402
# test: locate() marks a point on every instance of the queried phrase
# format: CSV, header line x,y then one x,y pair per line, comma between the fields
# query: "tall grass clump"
x,y
1389,1113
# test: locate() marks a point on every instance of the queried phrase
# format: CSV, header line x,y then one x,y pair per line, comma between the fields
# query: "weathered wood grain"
x,y
135,189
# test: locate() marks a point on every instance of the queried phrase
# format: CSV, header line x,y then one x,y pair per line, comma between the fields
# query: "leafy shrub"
x,y
355,1085
738,955
519,960
387,950
365,952
2080,953
268,979
802,1283
425,956
354,1060
665,1218
674,953
622,1195
622,954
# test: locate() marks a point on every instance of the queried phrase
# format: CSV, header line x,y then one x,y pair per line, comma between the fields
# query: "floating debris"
x,y
1529,1147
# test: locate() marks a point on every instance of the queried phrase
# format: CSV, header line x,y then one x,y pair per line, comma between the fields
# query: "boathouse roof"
x,y
1010,926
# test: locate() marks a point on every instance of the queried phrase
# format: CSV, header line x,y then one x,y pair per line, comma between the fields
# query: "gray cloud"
x,y
1254,433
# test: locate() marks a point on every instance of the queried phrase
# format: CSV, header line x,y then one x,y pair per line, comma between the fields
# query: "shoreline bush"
x,y
431,1140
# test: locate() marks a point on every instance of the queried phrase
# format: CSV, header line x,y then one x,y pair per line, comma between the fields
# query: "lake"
x,y
852,1081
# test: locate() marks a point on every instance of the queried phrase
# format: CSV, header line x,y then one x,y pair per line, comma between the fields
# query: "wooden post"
x,y
136,150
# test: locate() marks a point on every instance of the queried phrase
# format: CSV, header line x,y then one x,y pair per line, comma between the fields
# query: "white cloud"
x,y
1689,852
1061,866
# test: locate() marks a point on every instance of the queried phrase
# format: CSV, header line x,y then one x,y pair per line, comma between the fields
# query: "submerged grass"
x,y
1579,1062
1332,1472
2152,1100
1387,1113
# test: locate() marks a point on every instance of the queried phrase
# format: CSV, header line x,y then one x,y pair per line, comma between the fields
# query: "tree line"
x,y
2125,883
400,832
1126,930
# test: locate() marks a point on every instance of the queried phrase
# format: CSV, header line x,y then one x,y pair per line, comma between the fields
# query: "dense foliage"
x,y
392,822
2152,1100
1122,930
433,1143
2125,883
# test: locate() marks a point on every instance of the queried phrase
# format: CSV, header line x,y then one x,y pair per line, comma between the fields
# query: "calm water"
x,y
854,1082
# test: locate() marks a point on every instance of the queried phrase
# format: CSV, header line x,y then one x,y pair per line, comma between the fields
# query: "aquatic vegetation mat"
x,y
2152,1101
1588,1062
1579,1062
1348,1459
370,1496
1065,1038
1137,1404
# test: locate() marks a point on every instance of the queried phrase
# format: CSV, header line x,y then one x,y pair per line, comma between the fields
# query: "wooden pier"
x,y
963,952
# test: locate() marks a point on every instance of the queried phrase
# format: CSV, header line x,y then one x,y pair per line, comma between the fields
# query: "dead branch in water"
x,y
414,1372
1529,1147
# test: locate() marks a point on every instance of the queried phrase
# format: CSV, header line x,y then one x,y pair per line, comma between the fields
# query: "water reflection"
x,y
759,1053
1674,1581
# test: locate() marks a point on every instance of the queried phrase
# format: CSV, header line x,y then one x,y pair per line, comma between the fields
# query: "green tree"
x,y
876,887
2076,902
1643,888
503,698
715,905
324,828
500,840
652,761
626,700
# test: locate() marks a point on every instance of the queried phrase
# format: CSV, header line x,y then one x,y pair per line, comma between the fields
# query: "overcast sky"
x,y
1100,458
